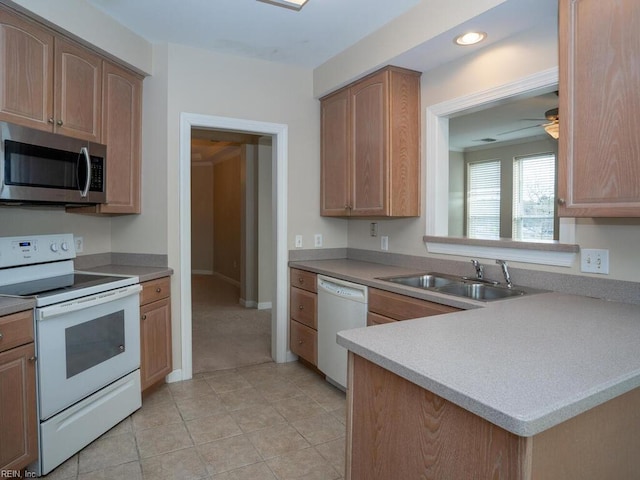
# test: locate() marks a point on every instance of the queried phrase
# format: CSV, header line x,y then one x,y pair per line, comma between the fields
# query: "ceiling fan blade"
x,y
523,128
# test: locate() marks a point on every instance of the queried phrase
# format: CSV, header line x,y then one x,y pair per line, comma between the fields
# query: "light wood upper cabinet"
x,y
122,133
26,72
48,82
599,145
78,91
370,147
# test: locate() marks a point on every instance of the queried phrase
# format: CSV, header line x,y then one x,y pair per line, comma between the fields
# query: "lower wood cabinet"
x,y
303,315
398,430
385,307
18,416
155,331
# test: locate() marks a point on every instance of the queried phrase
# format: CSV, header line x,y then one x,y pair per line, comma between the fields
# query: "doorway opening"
x,y
278,134
231,249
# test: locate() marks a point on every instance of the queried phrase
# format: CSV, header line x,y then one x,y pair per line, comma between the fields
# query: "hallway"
x,y
225,334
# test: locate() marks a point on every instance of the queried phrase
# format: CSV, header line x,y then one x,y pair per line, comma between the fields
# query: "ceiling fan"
x,y
552,120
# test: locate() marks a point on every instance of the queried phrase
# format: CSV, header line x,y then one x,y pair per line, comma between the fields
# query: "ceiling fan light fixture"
x,y
470,38
553,129
290,4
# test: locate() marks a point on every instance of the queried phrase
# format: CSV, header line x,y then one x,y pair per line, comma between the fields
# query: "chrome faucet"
x,y
479,269
505,272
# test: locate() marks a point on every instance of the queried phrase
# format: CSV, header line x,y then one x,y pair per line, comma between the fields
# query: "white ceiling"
x,y
256,29
324,28
311,36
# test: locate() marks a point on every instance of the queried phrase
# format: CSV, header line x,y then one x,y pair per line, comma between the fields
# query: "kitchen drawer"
x,y
375,319
401,307
303,279
16,329
303,307
303,341
155,290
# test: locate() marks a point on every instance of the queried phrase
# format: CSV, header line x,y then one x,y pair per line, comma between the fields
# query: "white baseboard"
x,y
227,279
175,376
248,303
264,305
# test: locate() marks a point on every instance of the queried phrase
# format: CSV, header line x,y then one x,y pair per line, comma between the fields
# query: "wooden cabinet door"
x,y
78,91
335,157
155,342
599,111
18,428
121,132
26,72
369,144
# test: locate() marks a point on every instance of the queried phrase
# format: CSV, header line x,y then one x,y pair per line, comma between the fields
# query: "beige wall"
x,y
227,216
507,61
202,244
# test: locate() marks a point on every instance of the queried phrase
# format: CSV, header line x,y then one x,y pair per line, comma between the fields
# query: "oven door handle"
x,y
86,302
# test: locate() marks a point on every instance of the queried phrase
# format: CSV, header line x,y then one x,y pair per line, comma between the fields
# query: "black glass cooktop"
x,y
54,285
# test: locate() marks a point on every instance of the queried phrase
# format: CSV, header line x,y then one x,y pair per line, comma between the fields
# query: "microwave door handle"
x,y
84,151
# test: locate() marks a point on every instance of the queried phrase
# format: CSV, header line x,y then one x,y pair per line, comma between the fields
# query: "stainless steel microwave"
x,y
43,167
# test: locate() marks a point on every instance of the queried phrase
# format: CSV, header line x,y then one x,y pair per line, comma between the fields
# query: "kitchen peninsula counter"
x,y
525,364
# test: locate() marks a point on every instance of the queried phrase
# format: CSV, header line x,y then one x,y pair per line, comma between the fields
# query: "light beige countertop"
x,y
9,305
143,273
525,364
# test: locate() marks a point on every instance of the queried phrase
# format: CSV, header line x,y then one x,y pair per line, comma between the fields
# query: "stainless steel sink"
x,y
479,291
427,280
458,286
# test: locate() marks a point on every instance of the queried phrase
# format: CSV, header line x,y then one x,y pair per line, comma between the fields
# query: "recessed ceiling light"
x,y
291,4
470,38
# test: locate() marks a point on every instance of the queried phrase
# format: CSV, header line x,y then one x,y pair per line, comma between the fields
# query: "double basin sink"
x,y
474,289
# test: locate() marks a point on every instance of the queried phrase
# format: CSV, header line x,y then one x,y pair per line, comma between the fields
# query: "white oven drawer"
x,y
68,432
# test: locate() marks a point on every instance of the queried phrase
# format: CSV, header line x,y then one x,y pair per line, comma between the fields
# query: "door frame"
x,y
279,332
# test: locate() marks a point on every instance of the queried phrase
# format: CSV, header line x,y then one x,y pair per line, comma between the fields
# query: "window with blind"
x,y
483,199
534,197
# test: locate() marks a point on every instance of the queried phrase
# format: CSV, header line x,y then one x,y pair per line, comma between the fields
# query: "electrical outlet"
x,y
373,230
384,243
317,240
298,241
78,243
593,260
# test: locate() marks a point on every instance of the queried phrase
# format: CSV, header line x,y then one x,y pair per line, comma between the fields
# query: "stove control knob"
x,y
64,246
54,247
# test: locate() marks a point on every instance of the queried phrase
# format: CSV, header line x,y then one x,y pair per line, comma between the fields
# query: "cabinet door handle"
x,y
561,201
301,307
144,317
158,290
301,280
59,123
300,342
1,336
32,359
50,120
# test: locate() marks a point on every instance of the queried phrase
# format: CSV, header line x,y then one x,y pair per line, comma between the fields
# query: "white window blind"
x,y
483,199
534,197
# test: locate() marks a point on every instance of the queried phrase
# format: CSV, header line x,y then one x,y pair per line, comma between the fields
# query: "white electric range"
x,y
87,336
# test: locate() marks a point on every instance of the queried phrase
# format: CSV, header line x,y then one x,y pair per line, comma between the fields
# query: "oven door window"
x,y
91,343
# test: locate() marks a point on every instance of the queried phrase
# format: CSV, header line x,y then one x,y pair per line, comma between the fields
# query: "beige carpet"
x,y
225,334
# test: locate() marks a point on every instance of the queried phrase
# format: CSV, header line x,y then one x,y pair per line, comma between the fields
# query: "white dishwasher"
x,y
341,305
